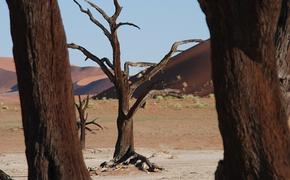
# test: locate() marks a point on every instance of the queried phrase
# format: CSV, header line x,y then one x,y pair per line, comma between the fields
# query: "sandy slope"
x,y
7,63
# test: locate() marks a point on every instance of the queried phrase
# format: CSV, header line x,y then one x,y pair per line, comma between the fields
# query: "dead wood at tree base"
x,y
4,176
139,161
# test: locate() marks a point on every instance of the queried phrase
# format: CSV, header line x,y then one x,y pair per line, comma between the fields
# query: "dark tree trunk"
x,y
124,147
251,112
282,51
4,176
125,142
39,46
83,134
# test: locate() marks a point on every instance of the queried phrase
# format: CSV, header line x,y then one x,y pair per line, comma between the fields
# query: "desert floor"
x,y
181,135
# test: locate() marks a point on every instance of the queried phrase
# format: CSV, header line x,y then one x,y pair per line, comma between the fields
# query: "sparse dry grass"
x,y
176,123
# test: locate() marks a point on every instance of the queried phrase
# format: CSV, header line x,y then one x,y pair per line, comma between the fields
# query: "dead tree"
x,y
251,109
43,72
82,124
124,148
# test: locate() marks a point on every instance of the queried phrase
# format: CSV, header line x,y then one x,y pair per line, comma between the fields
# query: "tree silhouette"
x,y
81,107
124,148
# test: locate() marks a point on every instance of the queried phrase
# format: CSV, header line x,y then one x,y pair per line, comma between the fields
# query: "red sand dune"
x,y
7,75
6,63
7,81
189,71
85,79
89,80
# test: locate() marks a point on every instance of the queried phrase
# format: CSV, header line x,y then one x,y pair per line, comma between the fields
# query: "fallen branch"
x,y
138,160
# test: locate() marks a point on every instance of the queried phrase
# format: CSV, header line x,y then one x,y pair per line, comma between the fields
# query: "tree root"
x,y
219,173
4,176
138,160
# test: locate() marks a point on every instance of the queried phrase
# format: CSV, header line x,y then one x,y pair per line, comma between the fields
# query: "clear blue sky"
x,y
162,22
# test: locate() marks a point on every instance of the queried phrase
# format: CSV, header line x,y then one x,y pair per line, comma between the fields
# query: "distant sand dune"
x,y
189,71
6,63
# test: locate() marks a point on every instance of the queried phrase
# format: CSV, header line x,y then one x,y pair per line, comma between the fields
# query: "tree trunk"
x,y
282,51
83,134
125,142
124,147
39,46
251,112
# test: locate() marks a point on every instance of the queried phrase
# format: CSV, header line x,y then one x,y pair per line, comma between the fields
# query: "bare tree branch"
x,y
161,65
82,106
100,10
118,10
94,20
95,123
136,64
89,129
100,62
108,62
145,95
127,24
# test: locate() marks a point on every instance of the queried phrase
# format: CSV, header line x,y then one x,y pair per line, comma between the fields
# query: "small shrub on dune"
x,y
200,105
189,96
159,98
211,95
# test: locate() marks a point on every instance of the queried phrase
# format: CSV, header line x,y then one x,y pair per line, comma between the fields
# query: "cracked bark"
x,y
251,109
43,74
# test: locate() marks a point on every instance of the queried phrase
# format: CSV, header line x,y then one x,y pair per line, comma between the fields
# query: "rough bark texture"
x,y
125,142
41,57
4,176
282,52
251,112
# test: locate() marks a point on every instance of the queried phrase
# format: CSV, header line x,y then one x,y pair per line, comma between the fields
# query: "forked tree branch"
x,y
108,63
93,122
161,65
115,73
100,10
101,62
94,20
145,95
127,24
81,106
136,64
118,10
